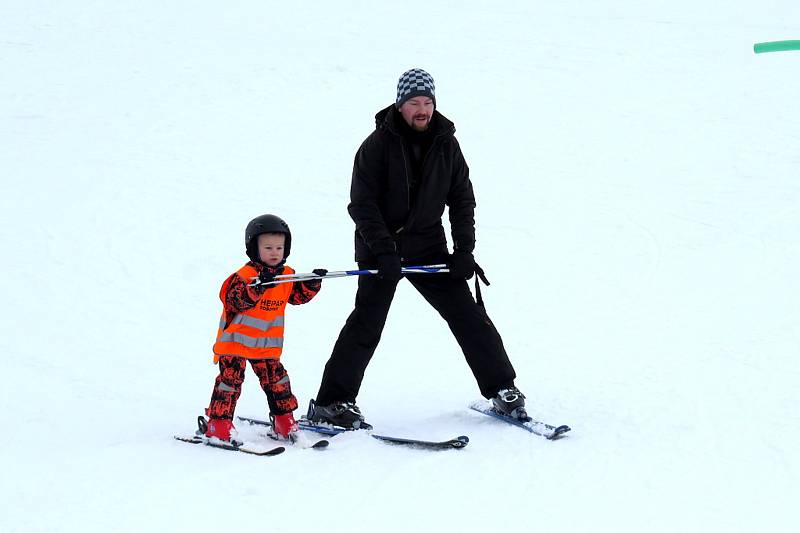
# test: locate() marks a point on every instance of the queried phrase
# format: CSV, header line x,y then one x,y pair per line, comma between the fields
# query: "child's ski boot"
x,y
285,426
218,428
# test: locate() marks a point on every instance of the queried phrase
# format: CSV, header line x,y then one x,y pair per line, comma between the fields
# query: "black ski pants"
x,y
471,326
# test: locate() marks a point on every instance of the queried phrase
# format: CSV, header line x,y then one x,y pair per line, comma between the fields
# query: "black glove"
x,y
389,267
320,271
461,264
267,275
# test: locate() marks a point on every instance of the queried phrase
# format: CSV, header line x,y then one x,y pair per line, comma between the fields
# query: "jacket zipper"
x,y
405,171
433,145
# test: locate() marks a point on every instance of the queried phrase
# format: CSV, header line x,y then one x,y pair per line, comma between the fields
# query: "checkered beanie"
x,y
414,82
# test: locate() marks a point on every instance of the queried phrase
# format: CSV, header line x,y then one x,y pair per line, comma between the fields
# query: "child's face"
x,y
270,248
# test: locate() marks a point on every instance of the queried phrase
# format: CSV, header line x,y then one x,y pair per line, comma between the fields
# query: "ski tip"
x,y
192,440
459,442
320,445
559,432
263,453
274,451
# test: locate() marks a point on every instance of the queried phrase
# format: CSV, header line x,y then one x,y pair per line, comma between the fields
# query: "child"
x,y
251,328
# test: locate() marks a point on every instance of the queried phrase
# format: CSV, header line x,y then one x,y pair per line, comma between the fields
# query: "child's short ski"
x,y
326,429
233,447
317,445
534,426
301,441
199,437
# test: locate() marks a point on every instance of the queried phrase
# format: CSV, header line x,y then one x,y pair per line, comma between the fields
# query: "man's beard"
x,y
415,123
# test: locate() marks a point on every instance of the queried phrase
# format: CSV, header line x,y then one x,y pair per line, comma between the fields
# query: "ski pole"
x,y
287,278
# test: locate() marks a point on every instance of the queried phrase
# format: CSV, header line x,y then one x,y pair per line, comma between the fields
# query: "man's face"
x,y
270,248
417,112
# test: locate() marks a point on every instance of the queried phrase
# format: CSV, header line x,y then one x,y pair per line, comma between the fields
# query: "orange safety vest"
x,y
258,332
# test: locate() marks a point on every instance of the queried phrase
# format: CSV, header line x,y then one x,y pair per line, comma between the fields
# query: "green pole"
x,y
776,46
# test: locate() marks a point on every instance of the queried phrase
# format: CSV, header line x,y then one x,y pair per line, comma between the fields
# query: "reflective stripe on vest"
x,y
252,342
253,322
258,332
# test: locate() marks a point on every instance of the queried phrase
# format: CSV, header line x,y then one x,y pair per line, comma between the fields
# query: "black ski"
x,y
534,426
457,443
305,424
233,447
199,437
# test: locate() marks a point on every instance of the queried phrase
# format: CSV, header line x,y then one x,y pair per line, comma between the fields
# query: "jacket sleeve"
x,y
237,296
304,291
365,190
461,201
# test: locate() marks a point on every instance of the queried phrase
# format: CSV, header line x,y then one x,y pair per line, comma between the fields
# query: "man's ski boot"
x,y
285,426
511,402
343,414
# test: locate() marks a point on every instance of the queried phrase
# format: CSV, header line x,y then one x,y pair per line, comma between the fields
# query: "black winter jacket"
x,y
387,219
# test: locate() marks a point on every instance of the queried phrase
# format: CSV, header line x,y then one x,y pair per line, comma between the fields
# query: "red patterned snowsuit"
x,y
244,308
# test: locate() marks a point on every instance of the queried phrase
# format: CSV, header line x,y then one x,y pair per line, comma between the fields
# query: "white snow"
x,y
635,165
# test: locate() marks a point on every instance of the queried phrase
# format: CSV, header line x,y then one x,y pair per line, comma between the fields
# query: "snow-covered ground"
x,y
635,165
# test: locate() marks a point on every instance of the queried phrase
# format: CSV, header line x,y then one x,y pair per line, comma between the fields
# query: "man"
x,y
404,175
